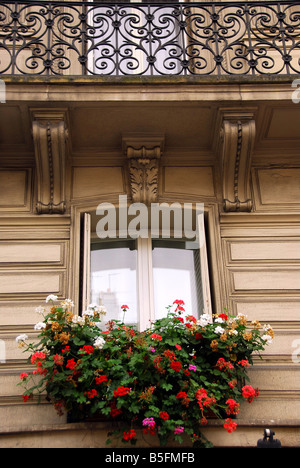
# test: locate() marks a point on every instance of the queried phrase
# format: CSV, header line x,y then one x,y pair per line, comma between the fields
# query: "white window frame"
x,y
145,287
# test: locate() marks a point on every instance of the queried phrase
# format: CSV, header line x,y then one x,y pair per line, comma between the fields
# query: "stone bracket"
x,y
49,132
143,153
237,136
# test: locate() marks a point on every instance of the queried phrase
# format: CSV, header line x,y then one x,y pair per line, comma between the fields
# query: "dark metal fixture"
x,y
268,441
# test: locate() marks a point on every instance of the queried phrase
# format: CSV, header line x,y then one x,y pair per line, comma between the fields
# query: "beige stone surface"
x,y
254,257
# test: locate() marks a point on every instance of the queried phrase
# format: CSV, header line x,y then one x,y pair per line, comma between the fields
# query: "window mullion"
x,y
86,261
145,282
204,267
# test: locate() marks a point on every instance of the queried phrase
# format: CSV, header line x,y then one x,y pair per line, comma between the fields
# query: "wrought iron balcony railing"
x,y
171,38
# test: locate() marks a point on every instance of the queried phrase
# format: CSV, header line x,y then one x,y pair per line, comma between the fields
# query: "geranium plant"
x,y
167,380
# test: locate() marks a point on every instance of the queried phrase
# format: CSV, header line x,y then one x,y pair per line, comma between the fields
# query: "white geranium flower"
x,y
67,304
77,319
99,342
98,309
51,298
40,310
93,306
21,338
267,338
240,316
89,313
219,330
219,320
40,326
204,320
102,310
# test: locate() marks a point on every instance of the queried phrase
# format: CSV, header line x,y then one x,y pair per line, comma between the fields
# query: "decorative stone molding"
x,y
49,135
237,137
143,152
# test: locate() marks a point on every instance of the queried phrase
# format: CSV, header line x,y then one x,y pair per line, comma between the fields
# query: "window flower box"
x,y
167,380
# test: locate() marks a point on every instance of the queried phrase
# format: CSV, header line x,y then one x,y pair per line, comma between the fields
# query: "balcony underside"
x,y
99,113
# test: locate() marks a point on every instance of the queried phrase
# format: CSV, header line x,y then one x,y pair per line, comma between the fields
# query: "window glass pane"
x,y
176,275
113,279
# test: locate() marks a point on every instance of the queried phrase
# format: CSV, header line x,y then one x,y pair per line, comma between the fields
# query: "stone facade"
x,y
68,144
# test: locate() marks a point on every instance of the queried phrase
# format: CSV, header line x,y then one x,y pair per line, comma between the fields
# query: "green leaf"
x,y
81,399
166,386
78,342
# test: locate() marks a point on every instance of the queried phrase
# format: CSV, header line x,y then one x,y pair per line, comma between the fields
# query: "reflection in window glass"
x,y
176,275
113,279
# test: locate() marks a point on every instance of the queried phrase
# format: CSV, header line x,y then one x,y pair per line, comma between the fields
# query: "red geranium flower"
x,y
155,336
249,393
181,395
223,316
244,363
129,435
178,302
176,365
38,356
180,319
114,411
58,359
91,393
164,415
233,407
232,383
87,349
230,425
71,364
121,391
100,379
191,318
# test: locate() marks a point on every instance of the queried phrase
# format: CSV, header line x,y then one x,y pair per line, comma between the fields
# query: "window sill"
x,y
106,425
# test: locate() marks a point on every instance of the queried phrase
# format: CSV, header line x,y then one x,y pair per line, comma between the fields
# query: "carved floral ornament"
x,y
143,154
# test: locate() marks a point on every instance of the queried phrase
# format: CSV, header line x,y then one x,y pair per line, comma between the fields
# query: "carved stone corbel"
x,y
49,135
237,142
143,152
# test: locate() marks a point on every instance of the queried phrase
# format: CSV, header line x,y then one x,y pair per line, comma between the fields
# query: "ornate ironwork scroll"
x,y
81,38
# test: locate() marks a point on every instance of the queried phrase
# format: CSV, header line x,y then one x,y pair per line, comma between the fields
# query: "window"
x,y
144,273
